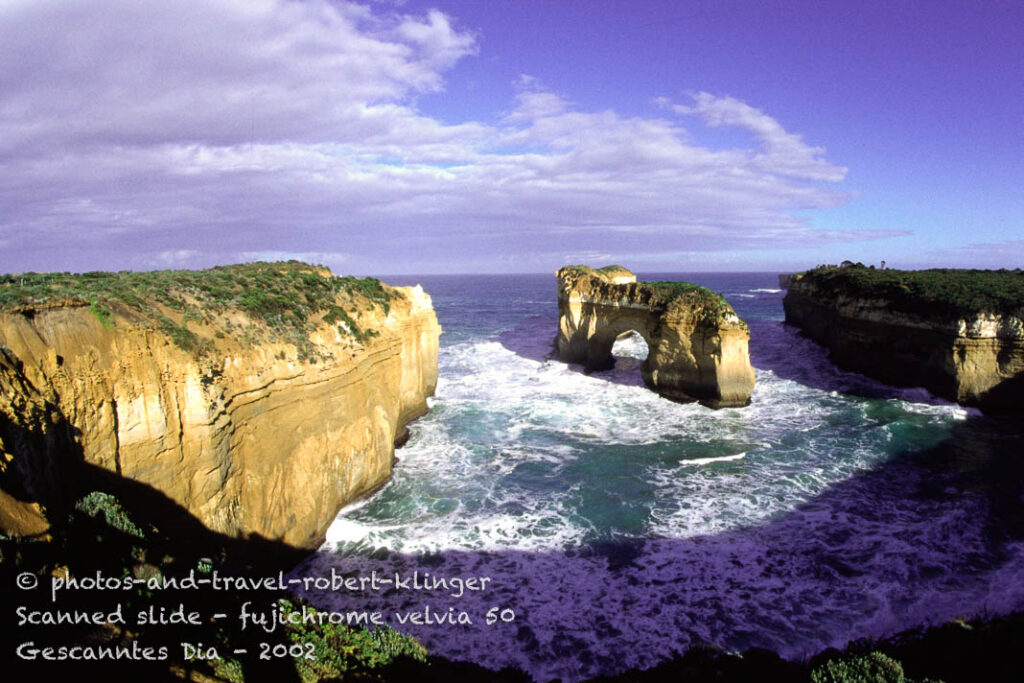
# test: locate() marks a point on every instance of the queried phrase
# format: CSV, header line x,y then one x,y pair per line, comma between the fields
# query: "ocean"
x,y
617,528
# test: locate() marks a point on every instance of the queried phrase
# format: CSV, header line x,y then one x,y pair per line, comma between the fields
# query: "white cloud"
x,y
781,152
439,45
218,72
168,131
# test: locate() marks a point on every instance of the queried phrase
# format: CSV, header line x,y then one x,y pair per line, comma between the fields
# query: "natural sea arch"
x,y
697,344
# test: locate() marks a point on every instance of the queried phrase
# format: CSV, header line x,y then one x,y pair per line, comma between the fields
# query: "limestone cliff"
x,y
954,332
697,346
259,408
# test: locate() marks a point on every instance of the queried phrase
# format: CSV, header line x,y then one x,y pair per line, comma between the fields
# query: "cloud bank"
x,y
189,133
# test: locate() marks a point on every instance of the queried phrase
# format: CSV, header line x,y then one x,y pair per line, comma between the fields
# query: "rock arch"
x,y
697,345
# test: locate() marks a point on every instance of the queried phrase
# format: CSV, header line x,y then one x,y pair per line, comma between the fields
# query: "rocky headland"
x,y
259,398
956,332
697,345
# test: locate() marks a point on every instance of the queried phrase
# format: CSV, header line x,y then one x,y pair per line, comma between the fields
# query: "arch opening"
x,y
630,344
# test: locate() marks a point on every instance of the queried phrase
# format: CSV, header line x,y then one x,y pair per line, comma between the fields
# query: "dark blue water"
x,y
621,527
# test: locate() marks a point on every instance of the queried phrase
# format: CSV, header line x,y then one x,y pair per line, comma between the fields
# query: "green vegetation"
x,y
285,297
944,293
103,312
338,649
349,326
713,304
99,503
180,335
667,291
230,670
873,667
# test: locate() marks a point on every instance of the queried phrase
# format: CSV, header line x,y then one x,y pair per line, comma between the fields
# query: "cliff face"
x,y
255,435
697,346
976,360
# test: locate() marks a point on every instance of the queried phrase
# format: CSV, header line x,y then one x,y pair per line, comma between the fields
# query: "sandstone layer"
x,y
255,436
697,345
975,359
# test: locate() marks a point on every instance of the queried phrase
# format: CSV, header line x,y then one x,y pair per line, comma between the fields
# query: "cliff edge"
x,y
697,345
956,332
261,398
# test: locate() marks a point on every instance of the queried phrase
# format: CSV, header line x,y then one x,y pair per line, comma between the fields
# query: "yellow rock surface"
x,y
698,348
977,361
251,439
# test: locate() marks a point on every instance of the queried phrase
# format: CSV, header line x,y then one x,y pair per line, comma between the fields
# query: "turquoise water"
x,y
621,527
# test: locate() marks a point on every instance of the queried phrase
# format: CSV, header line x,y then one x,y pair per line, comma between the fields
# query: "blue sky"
x,y
510,136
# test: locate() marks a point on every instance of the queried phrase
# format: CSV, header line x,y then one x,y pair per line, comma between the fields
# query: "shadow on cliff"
x,y
139,533
783,350
1007,397
907,543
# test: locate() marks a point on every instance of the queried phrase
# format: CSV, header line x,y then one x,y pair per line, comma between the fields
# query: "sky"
x,y
511,136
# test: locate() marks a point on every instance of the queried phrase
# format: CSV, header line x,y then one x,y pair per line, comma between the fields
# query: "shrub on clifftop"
x,y
284,299
940,292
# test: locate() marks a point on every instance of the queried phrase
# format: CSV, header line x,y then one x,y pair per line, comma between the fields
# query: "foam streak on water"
x,y
622,527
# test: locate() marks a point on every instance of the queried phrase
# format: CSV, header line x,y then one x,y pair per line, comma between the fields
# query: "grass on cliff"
x,y
669,290
940,292
284,296
713,304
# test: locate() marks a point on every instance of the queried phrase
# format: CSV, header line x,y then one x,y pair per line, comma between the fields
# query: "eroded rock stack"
x,y
697,344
